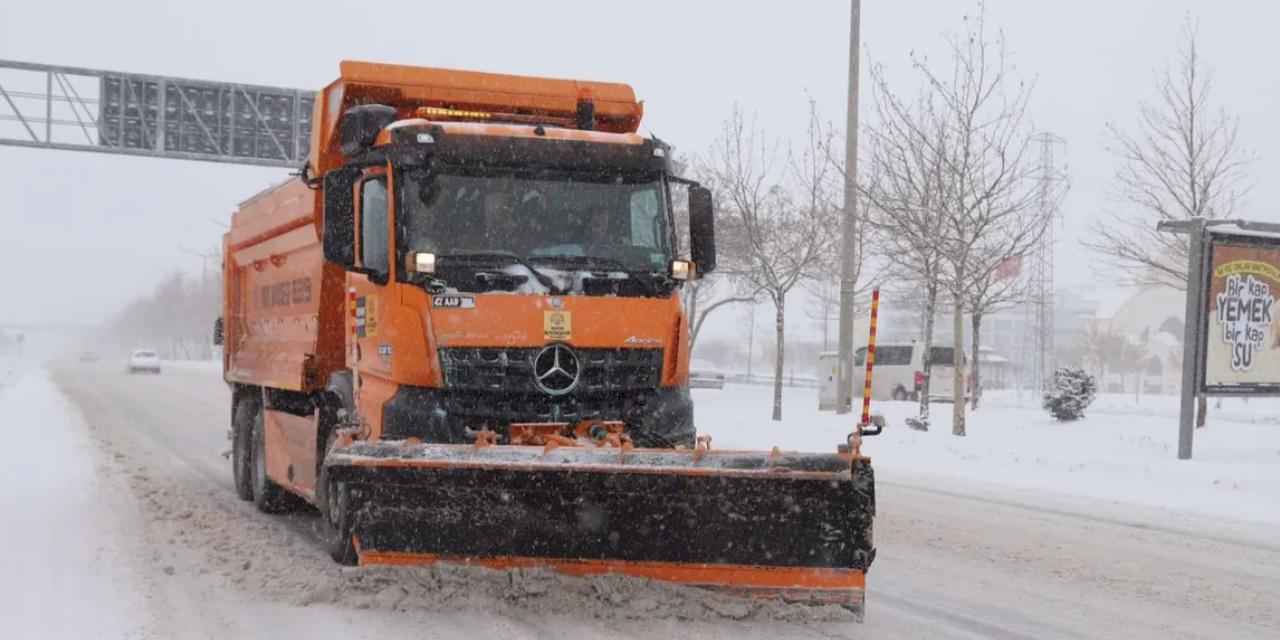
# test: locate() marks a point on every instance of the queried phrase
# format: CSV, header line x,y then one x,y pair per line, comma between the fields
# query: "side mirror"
x,y
702,230
340,217
218,333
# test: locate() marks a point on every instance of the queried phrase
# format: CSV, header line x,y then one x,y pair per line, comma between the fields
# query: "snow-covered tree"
x,y
1073,391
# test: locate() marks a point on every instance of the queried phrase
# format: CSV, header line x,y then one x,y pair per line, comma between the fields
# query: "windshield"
x,y
571,221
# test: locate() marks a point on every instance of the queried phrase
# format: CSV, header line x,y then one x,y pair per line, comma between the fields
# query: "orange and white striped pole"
x,y
871,357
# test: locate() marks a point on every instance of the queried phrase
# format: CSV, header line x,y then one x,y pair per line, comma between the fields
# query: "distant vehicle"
x,y
704,379
899,372
144,361
88,356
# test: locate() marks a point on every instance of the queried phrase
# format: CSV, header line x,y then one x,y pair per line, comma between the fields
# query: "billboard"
x,y
1241,352
223,121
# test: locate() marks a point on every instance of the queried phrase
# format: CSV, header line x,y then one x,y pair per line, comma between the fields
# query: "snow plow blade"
x,y
793,525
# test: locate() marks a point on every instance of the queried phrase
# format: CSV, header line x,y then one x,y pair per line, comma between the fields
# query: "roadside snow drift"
x,y
65,571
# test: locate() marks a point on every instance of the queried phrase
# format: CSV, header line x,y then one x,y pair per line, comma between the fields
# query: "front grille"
x,y
495,385
494,409
510,370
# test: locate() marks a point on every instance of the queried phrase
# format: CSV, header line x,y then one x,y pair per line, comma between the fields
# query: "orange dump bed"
x,y
614,105
283,301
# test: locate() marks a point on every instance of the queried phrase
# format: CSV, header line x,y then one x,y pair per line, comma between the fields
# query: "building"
x,y
1135,339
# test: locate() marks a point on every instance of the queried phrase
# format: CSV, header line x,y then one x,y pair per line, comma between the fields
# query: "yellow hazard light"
x,y
445,113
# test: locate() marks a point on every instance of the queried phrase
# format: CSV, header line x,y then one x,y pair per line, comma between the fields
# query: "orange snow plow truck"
x,y
459,333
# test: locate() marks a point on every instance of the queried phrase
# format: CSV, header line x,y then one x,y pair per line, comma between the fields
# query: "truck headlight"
x,y
681,269
424,263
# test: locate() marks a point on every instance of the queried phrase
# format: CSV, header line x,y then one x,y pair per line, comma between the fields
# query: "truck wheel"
x,y
241,448
268,495
336,521
900,394
334,500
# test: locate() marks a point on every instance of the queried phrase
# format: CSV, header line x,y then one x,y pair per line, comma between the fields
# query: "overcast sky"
x,y
81,233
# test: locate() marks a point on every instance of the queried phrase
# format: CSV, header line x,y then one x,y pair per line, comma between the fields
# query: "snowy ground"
x,y
126,517
1123,451
62,517
212,366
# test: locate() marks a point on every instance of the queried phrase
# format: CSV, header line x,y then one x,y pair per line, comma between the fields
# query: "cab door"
x,y
371,296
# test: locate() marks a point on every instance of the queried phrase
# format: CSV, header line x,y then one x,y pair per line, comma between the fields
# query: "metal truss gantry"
x,y
70,108
1039,325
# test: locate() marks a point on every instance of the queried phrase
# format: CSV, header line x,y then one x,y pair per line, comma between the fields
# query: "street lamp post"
x,y
848,228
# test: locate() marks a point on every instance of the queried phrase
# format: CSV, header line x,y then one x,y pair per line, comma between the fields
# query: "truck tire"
x,y
336,521
267,495
242,448
334,501
900,394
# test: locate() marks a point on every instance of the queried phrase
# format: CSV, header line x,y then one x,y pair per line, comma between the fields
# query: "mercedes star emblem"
x,y
556,369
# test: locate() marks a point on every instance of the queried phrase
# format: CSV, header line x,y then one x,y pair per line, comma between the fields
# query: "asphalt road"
x,y
955,560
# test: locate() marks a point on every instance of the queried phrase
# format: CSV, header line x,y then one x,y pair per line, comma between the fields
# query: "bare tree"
x,y
176,319
975,132
779,214
955,176
996,286
994,271
902,185
824,306
824,287
867,271
1137,353
1104,349
705,296
1184,161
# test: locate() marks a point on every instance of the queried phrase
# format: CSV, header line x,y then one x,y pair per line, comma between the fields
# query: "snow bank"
x,y
1257,410
1120,451
64,551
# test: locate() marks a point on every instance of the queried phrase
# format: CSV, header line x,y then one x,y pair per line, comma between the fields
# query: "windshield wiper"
x,y
542,278
653,282
586,261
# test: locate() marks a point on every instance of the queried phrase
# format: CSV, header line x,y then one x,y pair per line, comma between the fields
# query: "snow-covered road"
x,y
146,526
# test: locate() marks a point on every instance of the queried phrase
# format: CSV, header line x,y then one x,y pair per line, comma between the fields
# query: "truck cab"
x,y
514,266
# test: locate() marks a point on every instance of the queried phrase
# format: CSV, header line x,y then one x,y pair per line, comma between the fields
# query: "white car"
x,y
145,361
